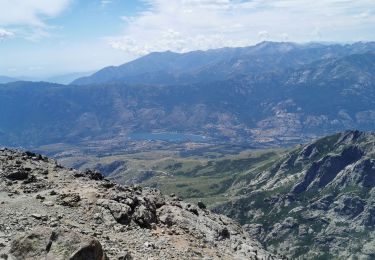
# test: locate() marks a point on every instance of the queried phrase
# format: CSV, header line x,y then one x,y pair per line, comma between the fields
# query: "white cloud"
x,y
184,25
5,34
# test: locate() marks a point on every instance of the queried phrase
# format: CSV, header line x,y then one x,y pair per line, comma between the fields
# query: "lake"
x,y
167,136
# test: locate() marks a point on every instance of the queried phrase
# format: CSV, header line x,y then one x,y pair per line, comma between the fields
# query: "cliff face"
x,y
51,212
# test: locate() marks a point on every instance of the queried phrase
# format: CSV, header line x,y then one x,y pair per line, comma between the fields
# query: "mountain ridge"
x,y
197,66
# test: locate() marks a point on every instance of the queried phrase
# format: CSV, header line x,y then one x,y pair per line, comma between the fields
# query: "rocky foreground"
x,y
49,212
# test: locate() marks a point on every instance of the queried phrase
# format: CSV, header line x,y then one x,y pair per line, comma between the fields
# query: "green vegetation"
x,y
192,176
211,181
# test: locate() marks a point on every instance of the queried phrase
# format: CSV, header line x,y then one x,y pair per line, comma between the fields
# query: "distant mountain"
x,y
60,79
5,79
67,78
282,106
202,66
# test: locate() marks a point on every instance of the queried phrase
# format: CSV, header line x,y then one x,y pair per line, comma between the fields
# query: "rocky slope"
x,y
51,212
317,202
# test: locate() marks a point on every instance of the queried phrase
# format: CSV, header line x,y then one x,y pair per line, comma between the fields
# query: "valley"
x,y
193,171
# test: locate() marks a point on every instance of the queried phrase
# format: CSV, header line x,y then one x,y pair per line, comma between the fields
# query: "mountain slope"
x,y
67,214
317,202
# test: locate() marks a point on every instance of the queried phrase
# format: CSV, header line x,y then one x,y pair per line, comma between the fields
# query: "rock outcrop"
x,y
49,212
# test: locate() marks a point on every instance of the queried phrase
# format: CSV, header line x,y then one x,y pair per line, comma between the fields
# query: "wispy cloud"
x,y
29,16
183,25
5,34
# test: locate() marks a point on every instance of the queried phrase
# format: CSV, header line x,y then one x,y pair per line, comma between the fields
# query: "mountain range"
x,y
268,94
213,65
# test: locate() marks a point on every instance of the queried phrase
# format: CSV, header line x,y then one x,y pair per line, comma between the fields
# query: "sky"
x,y
43,38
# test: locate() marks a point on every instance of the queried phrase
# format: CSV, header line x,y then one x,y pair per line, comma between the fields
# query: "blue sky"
x,y
41,38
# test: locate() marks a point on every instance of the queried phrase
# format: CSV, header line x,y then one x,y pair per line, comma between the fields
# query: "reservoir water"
x,y
167,136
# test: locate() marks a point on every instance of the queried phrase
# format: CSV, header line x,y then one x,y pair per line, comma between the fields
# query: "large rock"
x,y
17,175
56,245
69,199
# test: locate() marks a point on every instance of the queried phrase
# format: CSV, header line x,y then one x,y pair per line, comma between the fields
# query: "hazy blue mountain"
x,y
197,66
60,79
279,107
67,78
5,79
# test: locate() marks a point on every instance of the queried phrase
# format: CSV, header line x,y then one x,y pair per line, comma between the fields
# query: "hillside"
x,y
51,212
314,201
